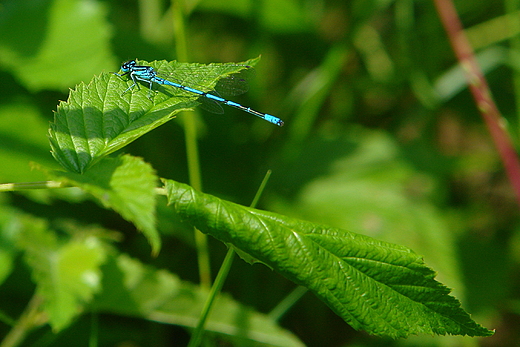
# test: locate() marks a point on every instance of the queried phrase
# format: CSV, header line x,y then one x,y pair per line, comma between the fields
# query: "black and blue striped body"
x,y
149,75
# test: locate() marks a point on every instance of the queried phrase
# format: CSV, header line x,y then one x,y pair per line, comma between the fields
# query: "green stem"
x,y
196,337
284,305
192,150
10,187
30,319
512,7
179,29
149,16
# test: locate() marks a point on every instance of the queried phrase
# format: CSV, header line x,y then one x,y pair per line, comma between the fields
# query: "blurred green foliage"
x,y
381,137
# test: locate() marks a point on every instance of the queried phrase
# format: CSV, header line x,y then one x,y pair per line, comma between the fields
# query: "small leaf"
x,y
98,119
383,288
125,184
130,288
66,275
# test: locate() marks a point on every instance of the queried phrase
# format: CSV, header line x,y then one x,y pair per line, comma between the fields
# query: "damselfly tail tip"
x,y
273,119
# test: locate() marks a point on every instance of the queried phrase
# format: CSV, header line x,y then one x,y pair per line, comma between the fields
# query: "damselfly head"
x,y
128,65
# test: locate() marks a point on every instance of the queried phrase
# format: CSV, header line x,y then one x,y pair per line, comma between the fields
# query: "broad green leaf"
x,y
66,274
383,288
127,185
97,119
372,189
132,289
54,43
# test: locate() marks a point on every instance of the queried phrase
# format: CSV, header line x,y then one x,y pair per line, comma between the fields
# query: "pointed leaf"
x,y
125,184
98,119
383,288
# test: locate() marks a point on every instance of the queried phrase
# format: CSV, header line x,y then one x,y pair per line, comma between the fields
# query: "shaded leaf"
x,y
130,288
127,185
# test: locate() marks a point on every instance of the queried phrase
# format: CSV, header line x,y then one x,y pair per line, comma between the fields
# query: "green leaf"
x,y
55,44
97,119
383,288
127,185
132,289
66,274
372,189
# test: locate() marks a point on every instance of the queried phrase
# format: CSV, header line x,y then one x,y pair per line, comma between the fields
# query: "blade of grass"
x,y
196,337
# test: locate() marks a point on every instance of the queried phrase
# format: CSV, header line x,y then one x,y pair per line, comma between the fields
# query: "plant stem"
x,y
512,7
480,90
196,337
284,305
31,318
192,150
10,187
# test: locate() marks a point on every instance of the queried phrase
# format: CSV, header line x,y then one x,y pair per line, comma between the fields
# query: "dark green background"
x,y
381,137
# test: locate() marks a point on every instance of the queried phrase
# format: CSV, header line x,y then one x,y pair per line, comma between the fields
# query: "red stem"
x,y
480,90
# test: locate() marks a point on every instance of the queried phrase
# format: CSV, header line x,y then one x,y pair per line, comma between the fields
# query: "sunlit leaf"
x,y
372,189
98,119
383,288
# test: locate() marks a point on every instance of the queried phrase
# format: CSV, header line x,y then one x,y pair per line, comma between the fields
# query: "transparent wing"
x,y
235,84
211,105
197,76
